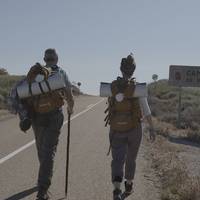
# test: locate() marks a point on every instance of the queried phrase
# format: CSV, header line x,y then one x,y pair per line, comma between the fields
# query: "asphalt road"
x,y
89,173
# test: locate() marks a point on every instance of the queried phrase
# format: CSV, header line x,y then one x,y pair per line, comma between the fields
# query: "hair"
x,y
128,65
50,51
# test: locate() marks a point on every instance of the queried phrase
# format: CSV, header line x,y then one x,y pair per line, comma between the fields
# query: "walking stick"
x,y
67,160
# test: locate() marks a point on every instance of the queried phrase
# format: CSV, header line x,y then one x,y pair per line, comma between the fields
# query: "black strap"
x,y
30,89
48,85
41,89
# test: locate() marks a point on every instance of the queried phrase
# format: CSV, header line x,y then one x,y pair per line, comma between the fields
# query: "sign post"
x,y
179,107
183,76
153,89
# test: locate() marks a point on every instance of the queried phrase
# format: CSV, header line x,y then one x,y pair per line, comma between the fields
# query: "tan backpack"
x,y
123,109
45,102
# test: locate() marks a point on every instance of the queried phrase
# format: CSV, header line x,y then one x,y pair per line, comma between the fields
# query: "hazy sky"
x,y
91,36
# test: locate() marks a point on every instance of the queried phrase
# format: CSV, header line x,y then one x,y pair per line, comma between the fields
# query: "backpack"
x,y
45,102
123,110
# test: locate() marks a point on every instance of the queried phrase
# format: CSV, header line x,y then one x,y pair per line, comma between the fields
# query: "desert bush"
x,y
3,93
193,91
170,95
161,88
176,182
160,130
169,117
2,102
180,186
193,135
3,71
164,100
6,83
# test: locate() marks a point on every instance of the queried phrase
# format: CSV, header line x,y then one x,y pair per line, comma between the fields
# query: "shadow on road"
x,y
23,194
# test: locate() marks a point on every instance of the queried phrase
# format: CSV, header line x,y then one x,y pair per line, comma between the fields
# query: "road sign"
x,y
184,76
155,77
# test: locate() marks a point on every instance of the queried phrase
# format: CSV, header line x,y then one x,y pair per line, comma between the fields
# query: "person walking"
x,y
44,113
125,114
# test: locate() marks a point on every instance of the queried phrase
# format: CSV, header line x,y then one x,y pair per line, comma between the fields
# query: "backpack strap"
x,y
41,89
48,85
30,89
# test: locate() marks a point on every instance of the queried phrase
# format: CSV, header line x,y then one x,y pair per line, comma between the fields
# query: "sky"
x,y
91,36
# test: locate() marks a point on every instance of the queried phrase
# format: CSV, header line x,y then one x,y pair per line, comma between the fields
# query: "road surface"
x,y
89,173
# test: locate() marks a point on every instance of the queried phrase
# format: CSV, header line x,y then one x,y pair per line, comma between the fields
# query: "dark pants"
x,y
47,130
125,146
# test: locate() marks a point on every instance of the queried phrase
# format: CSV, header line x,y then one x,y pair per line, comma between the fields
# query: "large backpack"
x,y
123,110
45,102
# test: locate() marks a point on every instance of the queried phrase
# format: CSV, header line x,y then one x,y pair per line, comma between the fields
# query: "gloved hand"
x,y
70,110
25,124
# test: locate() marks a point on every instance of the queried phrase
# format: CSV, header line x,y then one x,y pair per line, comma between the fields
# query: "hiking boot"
x,y
117,194
128,188
43,195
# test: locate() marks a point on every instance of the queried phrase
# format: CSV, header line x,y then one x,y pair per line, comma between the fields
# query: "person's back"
x,y
43,106
124,117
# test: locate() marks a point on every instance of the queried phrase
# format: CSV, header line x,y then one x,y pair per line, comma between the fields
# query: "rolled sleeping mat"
x,y
140,90
54,82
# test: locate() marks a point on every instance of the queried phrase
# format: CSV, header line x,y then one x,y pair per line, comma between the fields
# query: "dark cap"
x,y
50,51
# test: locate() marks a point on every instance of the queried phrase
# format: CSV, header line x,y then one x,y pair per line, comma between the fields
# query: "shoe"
x,y
128,188
117,194
43,195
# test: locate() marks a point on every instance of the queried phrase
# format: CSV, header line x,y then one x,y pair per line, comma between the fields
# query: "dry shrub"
x,y
183,188
164,131
190,190
163,101
170,95
193,136
176,182
169,117
2,102
163,128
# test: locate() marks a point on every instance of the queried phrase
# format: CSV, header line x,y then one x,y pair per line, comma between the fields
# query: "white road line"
x,y
84,111
90,105
4,159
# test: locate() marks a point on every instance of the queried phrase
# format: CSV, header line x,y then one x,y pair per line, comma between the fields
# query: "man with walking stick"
x,y
44,112
47,130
